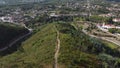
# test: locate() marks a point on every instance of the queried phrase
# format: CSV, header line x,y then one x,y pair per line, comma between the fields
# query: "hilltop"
x,y
76,50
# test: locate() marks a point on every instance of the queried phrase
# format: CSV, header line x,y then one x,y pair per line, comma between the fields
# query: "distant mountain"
x,y
12,2
31,1
26,1
2,2
114,0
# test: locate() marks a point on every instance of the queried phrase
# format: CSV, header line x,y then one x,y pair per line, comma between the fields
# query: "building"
x,y
116,20
107,15
53,15
6,19
105,27
108,26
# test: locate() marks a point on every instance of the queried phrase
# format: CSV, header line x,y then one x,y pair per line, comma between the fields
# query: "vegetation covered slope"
x,y
9,32
81,51
36,52
77,50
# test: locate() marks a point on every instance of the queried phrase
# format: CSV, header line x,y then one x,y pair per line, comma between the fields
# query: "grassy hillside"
x,y
77,50
36,52
9,32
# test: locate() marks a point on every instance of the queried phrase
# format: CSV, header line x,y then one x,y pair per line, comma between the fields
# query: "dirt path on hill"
x,y
57,50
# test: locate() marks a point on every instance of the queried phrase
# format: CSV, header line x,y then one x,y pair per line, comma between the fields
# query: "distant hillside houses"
x,y
105,27
108,26
116,20
107,15
6,19
53,15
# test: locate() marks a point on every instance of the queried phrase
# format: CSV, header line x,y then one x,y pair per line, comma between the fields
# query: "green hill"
x,y
9,32
77,50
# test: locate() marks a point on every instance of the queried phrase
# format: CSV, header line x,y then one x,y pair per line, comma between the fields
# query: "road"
x,y
102,38
18,39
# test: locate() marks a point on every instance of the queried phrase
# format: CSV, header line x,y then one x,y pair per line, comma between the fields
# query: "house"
x,y
107,15
6,19
105,27
108,26
116,20
53,15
